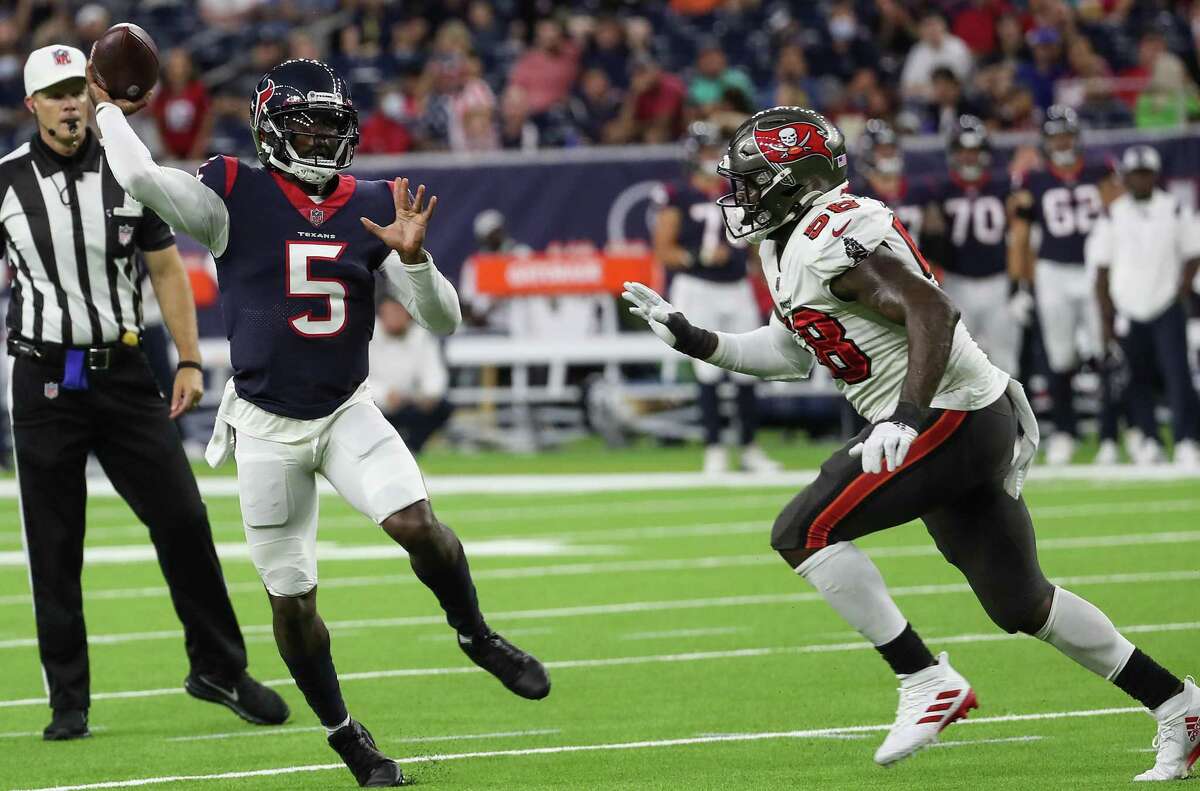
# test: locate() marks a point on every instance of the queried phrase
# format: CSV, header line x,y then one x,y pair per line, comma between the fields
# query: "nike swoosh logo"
x,y
229,693
841,230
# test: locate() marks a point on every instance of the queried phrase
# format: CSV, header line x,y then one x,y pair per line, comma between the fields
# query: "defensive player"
x,y
1064,201
976,276
710,282
881,162
297,245
854,293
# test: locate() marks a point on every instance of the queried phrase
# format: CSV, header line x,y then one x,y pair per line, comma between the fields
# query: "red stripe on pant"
x,y
865,483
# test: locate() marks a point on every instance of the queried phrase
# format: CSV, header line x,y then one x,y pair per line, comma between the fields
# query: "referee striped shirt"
x,y
70,235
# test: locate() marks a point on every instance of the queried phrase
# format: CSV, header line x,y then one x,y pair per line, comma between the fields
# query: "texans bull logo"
x,y
260,99
792,142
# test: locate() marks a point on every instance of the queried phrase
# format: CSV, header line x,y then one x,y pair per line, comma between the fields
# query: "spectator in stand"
x,y
386,129
1010,42
361,63
407,53
1167,94
90,23
228,15
608,52
792,83
181,108
713,76
1046,66
849,48
487,36
948,102
993,87
301,45
516,130
409,379
595,107
461,106
1090,89
12,82
976,24
453,39
937,47
547,70
653,109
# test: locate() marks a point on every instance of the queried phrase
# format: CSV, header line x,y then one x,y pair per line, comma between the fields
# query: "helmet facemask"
x,y
747,213
310,141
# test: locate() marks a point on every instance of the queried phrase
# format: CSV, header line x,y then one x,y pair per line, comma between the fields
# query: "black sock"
x,y
907,653
1062,410
710,414
747,408
1146,681
316,678
454,590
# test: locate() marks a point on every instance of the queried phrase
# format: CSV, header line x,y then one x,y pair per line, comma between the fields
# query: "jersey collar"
x,y
1066,174
316,213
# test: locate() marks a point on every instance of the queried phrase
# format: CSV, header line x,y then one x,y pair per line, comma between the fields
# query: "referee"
x,y
81,384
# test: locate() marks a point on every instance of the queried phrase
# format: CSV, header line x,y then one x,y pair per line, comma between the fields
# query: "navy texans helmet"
x,y
1060,136
879,149
968,149
704,146
303,121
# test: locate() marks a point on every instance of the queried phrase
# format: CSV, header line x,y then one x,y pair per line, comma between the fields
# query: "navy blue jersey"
x,y
976,223
1066,207
297,286
907,202
701,229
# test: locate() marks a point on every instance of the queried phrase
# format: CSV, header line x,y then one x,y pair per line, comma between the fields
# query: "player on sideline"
x,y
852,291
297,245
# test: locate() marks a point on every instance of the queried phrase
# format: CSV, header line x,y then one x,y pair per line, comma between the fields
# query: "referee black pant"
x,y
1157,350
123,420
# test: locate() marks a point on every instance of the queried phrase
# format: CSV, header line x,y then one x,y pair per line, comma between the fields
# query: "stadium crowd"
x,y
478,75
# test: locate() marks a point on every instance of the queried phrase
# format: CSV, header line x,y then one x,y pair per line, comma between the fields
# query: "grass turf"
x,y
674,621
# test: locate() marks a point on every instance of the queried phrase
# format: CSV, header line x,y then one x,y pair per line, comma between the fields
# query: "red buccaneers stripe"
x,y
912,247
864,484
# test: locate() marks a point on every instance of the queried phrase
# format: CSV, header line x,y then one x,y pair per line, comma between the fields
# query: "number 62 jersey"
x,y
866,354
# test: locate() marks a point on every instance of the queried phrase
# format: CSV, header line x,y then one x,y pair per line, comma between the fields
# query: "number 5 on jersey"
x,y
300,283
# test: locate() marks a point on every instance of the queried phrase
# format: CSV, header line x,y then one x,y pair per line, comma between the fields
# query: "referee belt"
x,y
95,358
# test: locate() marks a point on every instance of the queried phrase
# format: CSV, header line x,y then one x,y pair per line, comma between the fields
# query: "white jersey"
x,y
866,354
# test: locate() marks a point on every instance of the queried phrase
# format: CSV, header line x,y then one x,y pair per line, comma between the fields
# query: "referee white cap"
x,y
1140,158
51,65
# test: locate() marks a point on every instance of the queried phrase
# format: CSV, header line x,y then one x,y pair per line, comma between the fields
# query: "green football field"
x,y
683,653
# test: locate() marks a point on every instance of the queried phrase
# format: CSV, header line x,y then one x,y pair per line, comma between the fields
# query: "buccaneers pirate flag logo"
x,y
793,142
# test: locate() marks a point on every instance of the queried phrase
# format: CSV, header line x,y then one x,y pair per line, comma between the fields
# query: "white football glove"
x,y
1020,306
653,309
888,440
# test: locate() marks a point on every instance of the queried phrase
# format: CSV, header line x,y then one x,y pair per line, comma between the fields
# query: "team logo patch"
x,y
792,142
124,235
61,57
260,99
854,251
316,216
50,390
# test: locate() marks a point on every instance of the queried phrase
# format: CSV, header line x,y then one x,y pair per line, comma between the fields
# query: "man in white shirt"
x,y
1145,254
408,376
937,47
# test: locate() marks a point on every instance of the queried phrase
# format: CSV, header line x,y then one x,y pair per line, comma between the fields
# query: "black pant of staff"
x,y
123,420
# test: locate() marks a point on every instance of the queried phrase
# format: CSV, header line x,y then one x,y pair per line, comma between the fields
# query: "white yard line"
x,y
621,661
971,742
673,633
461,737
663,481
816,733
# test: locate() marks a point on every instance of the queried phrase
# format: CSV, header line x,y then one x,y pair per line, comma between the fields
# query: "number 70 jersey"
x,y
297,286
866,354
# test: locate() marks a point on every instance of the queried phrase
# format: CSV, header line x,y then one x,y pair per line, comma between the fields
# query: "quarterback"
x,y
297,245
949,442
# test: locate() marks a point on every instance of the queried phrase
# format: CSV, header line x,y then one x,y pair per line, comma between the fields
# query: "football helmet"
x,y
303,121
1060,136
879,149
779,162
968,149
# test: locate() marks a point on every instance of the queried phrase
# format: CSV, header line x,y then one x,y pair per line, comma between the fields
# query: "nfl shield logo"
x,y
61,57
316,216
50,390
124,235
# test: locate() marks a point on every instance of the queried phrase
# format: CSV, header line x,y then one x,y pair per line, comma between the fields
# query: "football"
x,y
125,60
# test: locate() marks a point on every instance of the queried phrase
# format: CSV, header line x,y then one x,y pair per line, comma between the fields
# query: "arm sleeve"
x,y
769,352
184,202
425,293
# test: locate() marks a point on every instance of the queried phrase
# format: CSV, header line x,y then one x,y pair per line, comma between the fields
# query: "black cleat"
x,y
521,673
67,724
245,697
371,768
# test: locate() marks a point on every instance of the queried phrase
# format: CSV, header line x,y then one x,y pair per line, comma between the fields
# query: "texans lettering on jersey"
x,y
866,354
297,286
701,230
976,226
1066,206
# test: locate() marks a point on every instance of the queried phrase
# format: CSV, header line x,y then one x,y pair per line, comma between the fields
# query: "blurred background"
x,y
554,133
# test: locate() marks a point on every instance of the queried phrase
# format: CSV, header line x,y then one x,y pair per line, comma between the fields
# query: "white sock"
x,y
1081,631
340,725
852,585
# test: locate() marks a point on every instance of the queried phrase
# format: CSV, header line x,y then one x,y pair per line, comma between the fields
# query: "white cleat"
x,y
715,460
1149,453
754,460
1187,454
930,699
1178,739
1108,453
1060,448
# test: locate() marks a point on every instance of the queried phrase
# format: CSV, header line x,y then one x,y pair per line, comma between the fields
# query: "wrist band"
x,y
188,364
909,414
